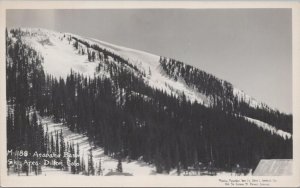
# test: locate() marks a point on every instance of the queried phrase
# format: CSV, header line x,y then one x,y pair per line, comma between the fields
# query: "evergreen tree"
x,y
72,159
100,170
123,114
57,148
119,166
83,169
53,150
62,151
158,162
78,169
91,170
178,168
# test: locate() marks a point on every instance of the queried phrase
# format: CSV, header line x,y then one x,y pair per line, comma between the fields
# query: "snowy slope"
x,y
269,128
136,168
60,57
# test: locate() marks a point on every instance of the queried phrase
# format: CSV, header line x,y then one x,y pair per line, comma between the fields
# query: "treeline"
x,y
222,95
164,130
24,75
102,53
25,92
23,88
129,119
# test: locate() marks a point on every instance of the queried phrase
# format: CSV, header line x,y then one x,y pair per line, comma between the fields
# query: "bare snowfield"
x,y
59,55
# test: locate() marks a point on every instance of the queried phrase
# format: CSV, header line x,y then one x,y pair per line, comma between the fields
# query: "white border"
x,y
291,181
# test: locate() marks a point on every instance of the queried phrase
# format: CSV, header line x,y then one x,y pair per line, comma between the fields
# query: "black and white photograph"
x,y
149,92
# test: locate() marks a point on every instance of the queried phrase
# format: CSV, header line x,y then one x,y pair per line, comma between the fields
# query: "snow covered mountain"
x,y
117,104
61,56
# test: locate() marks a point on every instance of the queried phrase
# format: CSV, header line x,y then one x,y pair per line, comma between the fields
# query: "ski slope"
x,y
60,57
136,168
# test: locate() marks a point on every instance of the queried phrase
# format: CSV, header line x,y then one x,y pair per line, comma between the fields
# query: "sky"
x,y
251,48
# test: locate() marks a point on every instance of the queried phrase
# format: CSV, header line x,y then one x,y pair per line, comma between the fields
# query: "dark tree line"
x,y
103,53
222,94
24,132
130,119
26,93
163,129
24,78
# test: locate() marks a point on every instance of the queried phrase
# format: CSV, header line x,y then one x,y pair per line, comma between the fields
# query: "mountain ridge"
x,y
145,62
135,109
152,60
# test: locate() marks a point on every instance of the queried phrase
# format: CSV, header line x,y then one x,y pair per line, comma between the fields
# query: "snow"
x,y
46,171
146,61
137,168
134,167
60,57
274,167
243,96
271,129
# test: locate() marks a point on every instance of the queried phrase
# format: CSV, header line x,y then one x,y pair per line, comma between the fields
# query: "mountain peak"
x,y
63,52
133,104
